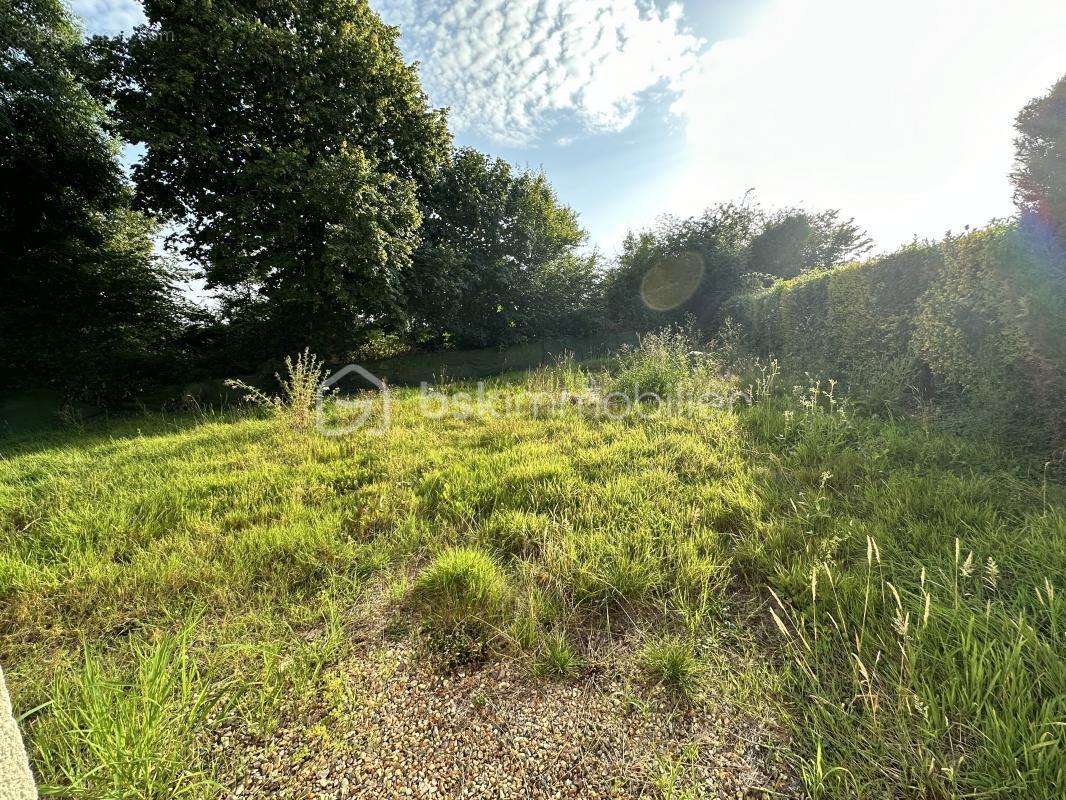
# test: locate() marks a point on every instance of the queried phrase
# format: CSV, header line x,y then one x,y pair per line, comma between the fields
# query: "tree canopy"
x,y
291,142
85,305
1040,167
498,260
793,241
681,268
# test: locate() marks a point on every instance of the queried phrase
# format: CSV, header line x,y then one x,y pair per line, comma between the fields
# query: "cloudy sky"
x,y
898,112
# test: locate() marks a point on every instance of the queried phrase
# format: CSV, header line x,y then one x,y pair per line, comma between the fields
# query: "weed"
x,y
673,663
556,657
668,364
301,391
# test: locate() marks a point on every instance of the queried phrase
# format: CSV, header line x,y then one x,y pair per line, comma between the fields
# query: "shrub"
x,y
992,331
974,323
1040,166
847,322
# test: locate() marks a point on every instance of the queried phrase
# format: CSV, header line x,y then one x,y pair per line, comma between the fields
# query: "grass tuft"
x,y
462,584
556,658
673,663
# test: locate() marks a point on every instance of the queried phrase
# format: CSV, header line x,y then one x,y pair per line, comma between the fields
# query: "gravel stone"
x,y
390,727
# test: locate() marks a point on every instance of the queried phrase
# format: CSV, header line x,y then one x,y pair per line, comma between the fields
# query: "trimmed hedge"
x,y
976,323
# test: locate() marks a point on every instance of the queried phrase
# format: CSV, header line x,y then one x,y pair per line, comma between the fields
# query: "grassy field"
x,y
896,591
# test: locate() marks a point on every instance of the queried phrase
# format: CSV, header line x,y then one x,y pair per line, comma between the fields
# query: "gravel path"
x,y
388,726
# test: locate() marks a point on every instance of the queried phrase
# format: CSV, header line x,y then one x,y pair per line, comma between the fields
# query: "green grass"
x,y
163,572
674,663
462,584
556,657
137,731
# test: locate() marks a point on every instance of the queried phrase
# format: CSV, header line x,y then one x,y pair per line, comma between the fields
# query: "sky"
x,y
898,112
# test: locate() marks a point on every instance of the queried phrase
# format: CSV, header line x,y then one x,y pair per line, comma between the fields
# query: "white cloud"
x,y
900,113
509,68
108,16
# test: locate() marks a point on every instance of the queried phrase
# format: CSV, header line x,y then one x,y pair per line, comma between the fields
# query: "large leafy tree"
x,y
498,261
290,141
85,305
793,241
1040,167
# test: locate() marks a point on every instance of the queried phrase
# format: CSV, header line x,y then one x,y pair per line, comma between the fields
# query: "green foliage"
x,y
301,391
793,241
924,660
973,323
690,268
671,364
556,657
991,330
291,141
683,268
498,262
85,305
849,322
1040,167
462,584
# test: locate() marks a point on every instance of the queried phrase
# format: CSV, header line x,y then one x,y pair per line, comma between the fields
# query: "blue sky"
x,y
898,112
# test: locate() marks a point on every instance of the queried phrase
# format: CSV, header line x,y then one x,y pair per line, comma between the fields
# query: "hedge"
x,y
976,324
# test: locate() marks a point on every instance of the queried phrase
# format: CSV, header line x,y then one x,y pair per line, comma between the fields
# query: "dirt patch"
x,y
390,726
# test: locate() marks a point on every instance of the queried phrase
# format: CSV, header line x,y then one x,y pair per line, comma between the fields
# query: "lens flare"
x,y
671,281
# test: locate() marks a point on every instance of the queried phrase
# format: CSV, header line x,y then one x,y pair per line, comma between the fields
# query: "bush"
x,y
849,322
992,331
1040,167
974,323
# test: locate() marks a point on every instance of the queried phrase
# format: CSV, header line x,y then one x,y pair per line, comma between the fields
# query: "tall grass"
x,y
128,732
948,686
673,363
905,667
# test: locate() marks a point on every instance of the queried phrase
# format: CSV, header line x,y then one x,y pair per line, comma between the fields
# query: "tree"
x,y
291,142
498,261
683,268
794,241
85,304
1040,165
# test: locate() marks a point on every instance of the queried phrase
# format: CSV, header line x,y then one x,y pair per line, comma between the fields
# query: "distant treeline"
x,y
292,163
